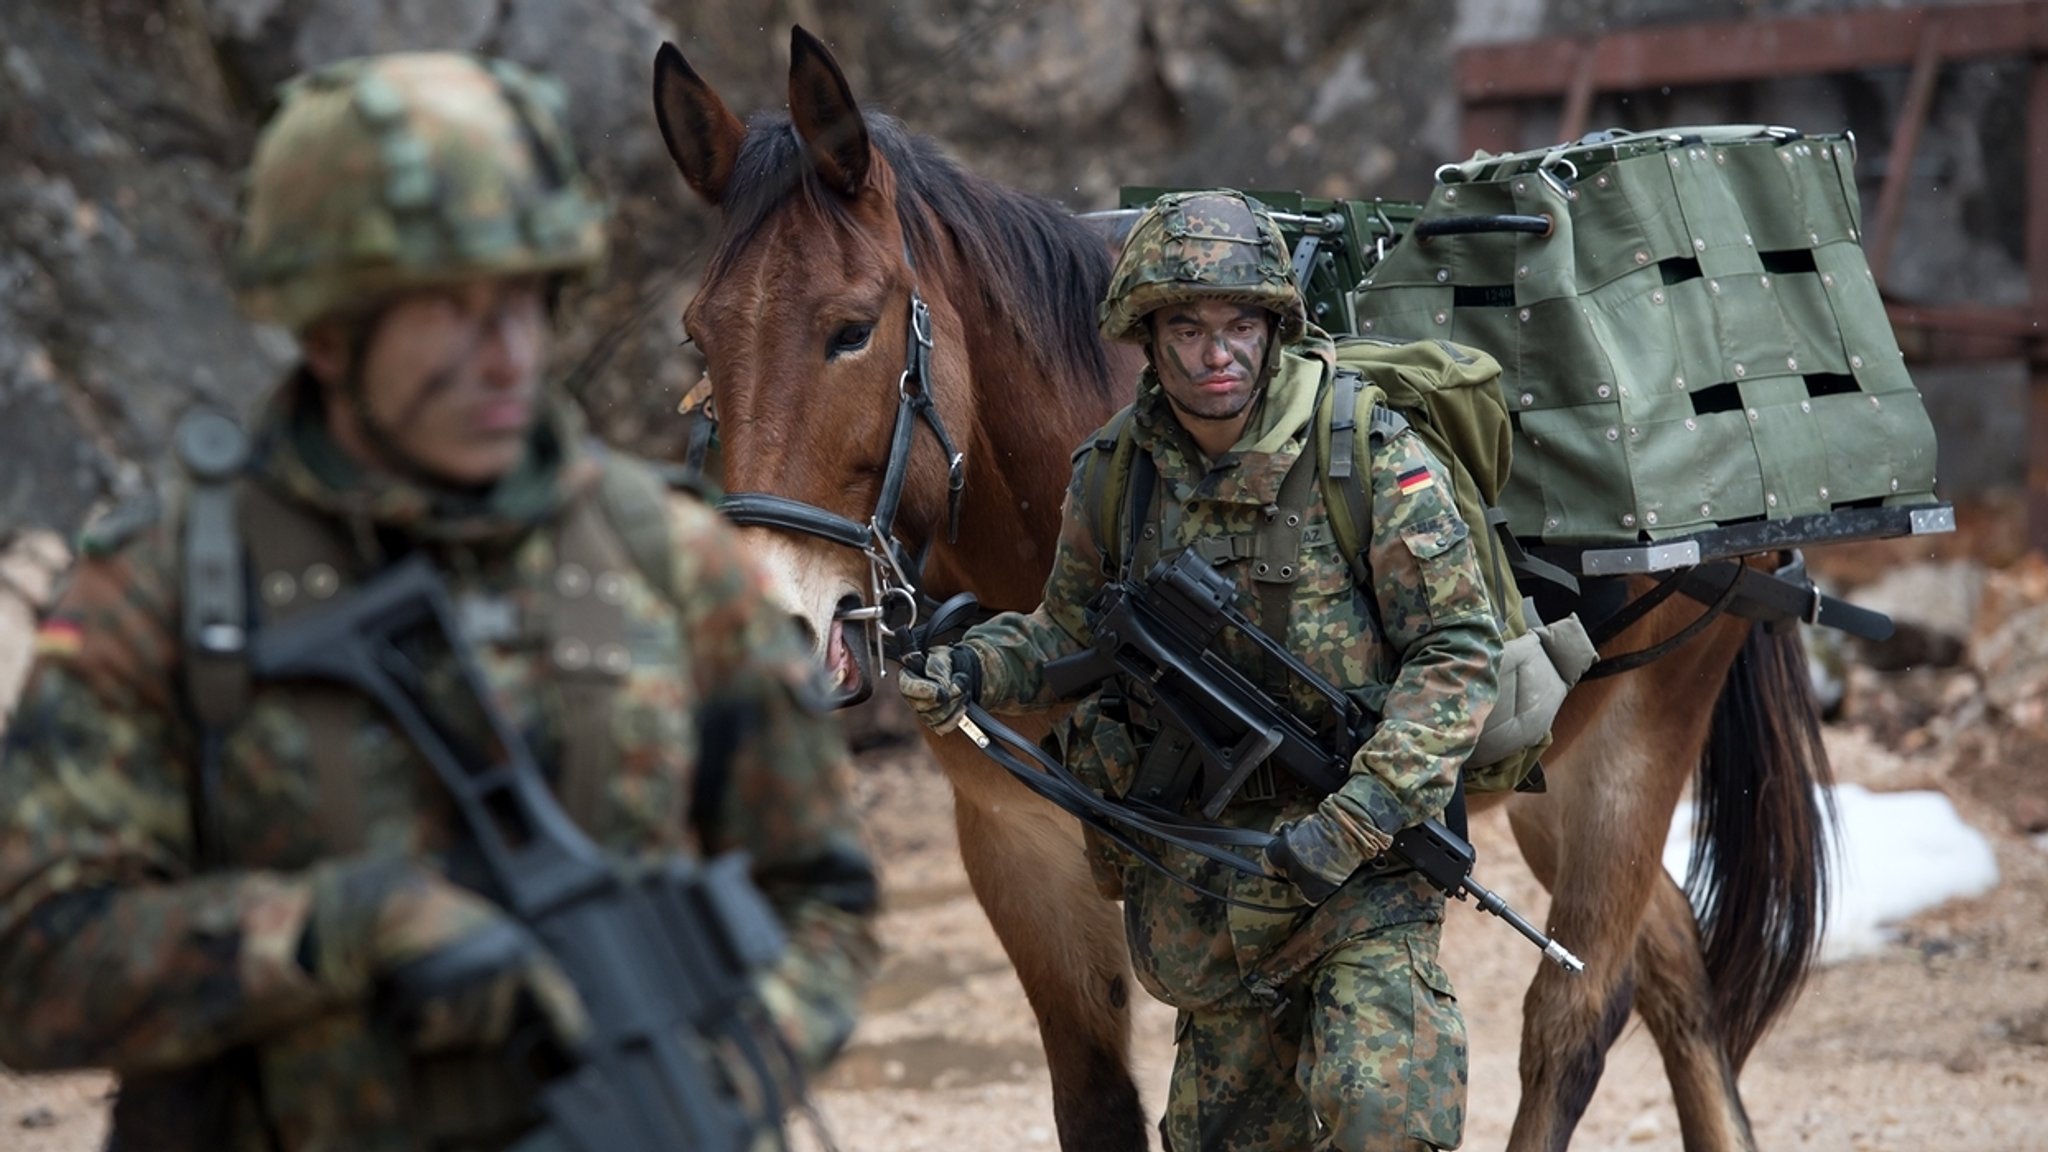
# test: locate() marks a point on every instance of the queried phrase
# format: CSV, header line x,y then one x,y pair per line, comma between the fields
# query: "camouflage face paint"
x,y
450,379
1210,358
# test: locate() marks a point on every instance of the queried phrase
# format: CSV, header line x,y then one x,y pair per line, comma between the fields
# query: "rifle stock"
x,y
663,957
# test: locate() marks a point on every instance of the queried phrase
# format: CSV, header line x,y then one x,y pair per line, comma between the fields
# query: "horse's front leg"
x,y
1025,862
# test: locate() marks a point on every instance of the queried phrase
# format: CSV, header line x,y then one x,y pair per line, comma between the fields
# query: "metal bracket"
x,y
1928,521
1648,558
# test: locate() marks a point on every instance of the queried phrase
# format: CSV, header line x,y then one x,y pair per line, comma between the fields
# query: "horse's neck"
x,y
1028,421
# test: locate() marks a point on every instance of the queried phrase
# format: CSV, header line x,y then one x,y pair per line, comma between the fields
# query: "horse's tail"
x,y
1760,853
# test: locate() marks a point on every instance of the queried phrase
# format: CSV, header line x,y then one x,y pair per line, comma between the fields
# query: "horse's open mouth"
x,y
849,662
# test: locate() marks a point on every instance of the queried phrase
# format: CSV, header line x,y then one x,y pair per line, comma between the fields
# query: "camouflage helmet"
x,y
1189,246
410,170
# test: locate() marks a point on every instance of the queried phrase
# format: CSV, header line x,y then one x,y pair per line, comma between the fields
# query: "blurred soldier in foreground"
x,y
208,881
1313,1013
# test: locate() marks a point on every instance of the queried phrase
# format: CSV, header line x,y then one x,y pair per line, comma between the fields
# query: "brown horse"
x,y
838,228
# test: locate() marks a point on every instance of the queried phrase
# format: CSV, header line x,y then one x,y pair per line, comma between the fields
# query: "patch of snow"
x,y
1895,854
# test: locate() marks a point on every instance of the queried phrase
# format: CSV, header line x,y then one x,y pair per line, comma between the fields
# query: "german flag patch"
x,y
1414,480
59,638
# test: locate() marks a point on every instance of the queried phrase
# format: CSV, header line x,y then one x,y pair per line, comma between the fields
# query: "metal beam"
x,y
1578,99
1891,199
2037,284
1725,51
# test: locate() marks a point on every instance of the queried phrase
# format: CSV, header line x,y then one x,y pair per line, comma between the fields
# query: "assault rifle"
x,y
663,957
1160,636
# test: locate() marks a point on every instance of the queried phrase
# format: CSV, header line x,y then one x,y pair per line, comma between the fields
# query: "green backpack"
x,y
1450,396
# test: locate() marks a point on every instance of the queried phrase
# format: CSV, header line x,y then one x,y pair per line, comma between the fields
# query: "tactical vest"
x,y
238,535
1446,394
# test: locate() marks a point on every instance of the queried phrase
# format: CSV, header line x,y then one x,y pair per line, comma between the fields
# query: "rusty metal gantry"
x,y
1497,81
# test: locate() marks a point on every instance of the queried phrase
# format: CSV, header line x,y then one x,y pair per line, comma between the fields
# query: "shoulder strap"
x,y
1345,494
213,634
1105,476
634,498
298,561
1141,476
623,523
213,451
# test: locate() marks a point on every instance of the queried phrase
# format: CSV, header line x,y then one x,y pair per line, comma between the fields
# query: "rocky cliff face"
x,y
124,125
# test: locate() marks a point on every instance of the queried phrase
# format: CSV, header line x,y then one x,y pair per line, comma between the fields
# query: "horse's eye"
x,y
851,338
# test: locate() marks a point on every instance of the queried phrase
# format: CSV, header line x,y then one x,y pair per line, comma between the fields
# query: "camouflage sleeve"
x,y
1440,624
788,801
1015,647
112,953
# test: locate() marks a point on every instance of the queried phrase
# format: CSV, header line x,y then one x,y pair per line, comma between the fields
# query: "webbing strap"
x,y
1344,420
301,562
216,610
1518,559
1138,508
1278,569
588,654
1096,498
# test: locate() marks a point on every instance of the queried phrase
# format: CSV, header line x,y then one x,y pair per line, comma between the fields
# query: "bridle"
x,y
895,572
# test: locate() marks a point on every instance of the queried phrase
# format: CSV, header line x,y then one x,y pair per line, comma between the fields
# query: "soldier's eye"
x,y
851,338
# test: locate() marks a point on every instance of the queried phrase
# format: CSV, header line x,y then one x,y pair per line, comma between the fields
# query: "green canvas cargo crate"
x,y
1695,341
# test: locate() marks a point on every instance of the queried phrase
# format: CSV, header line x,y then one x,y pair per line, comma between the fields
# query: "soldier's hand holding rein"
x,y
939,685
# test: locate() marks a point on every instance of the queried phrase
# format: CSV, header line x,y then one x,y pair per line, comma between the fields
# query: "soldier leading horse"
x,y
902,357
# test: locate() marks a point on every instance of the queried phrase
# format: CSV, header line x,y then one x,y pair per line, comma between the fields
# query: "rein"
x,y
894,571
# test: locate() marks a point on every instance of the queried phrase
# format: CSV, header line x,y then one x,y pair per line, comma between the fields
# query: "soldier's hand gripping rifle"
x,y
1160,636
664,956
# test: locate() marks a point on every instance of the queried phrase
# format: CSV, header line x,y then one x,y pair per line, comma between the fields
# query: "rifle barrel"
x,y
1557,953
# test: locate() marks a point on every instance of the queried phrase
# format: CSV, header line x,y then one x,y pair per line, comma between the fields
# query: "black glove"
x,y
940,685
1287,855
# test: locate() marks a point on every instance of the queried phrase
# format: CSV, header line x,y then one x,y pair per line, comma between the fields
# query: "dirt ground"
x,y
1939,1042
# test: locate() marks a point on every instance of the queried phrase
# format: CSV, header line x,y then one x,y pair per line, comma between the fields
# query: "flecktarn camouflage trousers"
x,y
1367,1054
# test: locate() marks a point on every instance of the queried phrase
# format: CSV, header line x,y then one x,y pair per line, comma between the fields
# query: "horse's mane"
x,y
1035,263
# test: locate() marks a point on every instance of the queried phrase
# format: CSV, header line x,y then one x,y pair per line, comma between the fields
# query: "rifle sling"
x,y
1116,821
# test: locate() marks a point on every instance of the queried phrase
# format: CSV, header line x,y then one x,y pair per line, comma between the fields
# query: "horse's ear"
x,y
822,107
702,134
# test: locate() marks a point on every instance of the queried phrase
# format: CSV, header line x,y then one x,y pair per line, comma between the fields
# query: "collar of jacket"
x,y
298,456
1251,471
